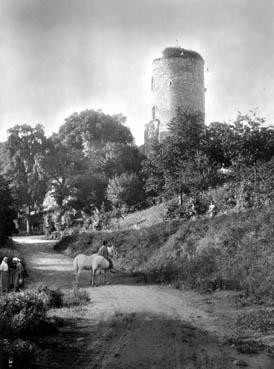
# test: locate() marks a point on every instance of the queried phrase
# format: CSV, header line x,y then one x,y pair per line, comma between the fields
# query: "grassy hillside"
x,y
144,218
230,251
135,245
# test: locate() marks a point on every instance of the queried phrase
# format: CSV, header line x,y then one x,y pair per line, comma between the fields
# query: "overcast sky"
x,y
62,56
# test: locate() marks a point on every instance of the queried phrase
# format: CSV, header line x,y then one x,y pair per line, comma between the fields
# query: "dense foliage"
x,y
106,151
91,166
61,165
24,145
85,129
25,313
71,170
245,141
195,159
126,189
180,165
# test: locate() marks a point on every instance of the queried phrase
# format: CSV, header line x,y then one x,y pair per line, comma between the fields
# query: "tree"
x,y
180,164
245,141
89,190
103,147
24,145
71,177
187,130
126,189
4,158
153,172
91,128
7,211
62,166
115,158
192,175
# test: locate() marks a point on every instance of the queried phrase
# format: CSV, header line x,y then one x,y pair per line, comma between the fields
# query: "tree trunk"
x,y
28,225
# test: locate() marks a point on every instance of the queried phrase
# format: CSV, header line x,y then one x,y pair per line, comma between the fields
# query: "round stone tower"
x,y
177,81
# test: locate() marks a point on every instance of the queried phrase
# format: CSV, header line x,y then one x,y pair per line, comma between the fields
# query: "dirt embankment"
x,y
172,328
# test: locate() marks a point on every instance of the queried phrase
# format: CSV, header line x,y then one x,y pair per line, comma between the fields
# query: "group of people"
x,y
11,274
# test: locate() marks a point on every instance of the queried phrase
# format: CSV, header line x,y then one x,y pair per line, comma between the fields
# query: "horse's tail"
x,y
75,265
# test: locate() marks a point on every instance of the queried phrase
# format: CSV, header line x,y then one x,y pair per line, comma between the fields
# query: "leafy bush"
x,y
25,313
248,188
191,207
21,313
51,298
176,211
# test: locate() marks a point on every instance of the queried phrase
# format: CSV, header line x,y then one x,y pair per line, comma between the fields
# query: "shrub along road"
x,y
214,314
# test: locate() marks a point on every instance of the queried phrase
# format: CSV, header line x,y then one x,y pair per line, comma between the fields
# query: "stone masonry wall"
x,y
176,81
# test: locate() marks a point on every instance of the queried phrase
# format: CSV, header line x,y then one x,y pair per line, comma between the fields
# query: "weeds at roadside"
x,y
76,299
262,320
246,346
243,300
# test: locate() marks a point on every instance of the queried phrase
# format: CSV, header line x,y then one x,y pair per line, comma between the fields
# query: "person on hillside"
x,y
211,209
18,279
192,211
4,277
103,251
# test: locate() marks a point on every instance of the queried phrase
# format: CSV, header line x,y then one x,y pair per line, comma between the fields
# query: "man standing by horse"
x,y
107,253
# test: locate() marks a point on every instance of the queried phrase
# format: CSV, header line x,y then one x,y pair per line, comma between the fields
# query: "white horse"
x,y
95,263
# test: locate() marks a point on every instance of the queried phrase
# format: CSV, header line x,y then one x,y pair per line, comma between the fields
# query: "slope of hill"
x,y
144,218
230,251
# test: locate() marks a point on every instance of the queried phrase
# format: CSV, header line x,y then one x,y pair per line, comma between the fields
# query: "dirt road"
x,y
124,296
54,269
